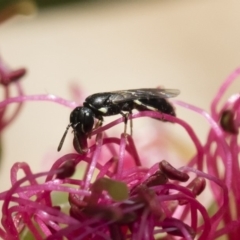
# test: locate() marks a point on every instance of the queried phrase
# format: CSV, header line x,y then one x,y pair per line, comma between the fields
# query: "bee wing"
x,y
142,93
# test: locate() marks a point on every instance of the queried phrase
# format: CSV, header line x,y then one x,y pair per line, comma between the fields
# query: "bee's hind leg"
x,y
97,125
126,117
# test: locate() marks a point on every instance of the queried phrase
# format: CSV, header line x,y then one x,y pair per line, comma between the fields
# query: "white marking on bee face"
x,y
103,110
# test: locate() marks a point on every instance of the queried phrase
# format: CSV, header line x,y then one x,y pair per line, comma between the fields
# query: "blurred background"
x,y
190,45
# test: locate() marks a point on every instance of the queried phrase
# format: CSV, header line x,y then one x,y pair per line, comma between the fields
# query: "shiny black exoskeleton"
x,y
111,103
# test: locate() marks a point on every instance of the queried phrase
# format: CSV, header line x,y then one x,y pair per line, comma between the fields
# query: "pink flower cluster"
x,y
119,198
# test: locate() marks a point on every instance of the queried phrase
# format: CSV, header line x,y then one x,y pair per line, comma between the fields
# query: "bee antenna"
x,y
63,138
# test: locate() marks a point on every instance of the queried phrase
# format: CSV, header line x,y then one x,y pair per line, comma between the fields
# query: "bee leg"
x,y
131,126
97,125
126,117
131,122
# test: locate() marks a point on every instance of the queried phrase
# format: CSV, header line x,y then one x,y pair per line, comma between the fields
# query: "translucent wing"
x,y
142,93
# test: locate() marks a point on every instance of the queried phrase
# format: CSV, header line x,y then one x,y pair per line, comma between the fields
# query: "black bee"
x,y
122,102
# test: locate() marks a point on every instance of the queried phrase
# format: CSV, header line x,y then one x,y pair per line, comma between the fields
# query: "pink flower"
x,y
117,200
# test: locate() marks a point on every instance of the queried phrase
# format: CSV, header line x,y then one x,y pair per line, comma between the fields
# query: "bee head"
x,y
82,121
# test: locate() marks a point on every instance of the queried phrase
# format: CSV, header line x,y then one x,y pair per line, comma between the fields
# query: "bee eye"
x,y
86,120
